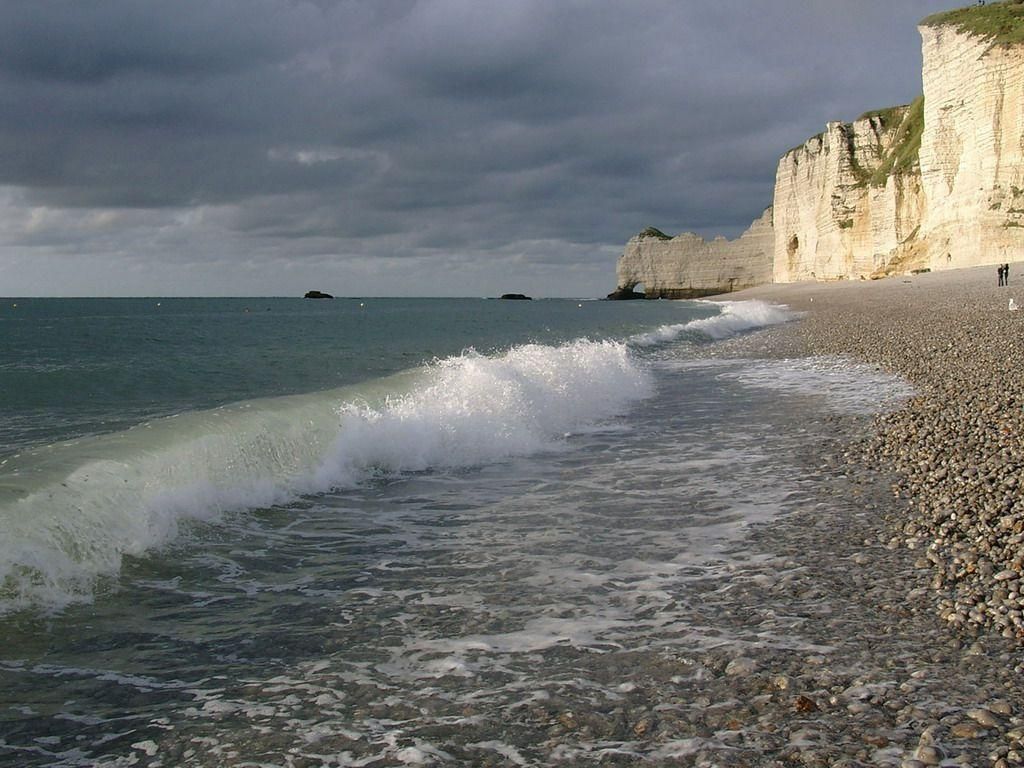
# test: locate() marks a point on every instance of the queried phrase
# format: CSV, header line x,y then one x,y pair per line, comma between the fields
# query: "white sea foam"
x,y
735,317
844,385
476,409
70,513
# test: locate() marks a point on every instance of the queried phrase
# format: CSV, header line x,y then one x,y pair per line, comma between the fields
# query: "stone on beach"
x,y
741,666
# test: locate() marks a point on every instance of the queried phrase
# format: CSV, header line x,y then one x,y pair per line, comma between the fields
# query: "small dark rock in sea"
x,y
317,295
623,294
517,297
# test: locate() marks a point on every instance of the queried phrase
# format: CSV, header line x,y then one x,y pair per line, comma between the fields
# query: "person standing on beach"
x,y
999,271
1006,274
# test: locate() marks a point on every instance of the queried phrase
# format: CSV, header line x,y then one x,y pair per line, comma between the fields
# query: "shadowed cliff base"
x,y
625,294
628,294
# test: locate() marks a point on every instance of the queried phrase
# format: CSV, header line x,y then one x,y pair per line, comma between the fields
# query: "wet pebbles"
x,y
919,597
955,450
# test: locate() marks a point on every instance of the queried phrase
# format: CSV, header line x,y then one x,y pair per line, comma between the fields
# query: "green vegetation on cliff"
x,y
902,156
908,123
886,116
1001,22
653,232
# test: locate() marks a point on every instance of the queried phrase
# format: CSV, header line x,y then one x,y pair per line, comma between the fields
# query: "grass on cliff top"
x,y
655,233
902,155
1000,22
887,116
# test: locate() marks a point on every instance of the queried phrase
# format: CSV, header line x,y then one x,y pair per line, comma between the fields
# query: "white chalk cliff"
x,y
688,266
842,208
936,184
972,149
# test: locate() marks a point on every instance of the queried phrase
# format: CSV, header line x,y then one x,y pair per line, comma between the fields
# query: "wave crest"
x,y
73,511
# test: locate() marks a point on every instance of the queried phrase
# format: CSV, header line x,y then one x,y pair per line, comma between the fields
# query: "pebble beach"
x,y
908,569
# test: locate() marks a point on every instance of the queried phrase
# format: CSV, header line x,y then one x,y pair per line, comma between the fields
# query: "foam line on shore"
x,y
735,317
850,387
954,450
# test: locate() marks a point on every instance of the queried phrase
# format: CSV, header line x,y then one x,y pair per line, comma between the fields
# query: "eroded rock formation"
x,y
936,184
688,266
842,209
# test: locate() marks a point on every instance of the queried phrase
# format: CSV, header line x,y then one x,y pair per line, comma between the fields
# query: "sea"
x,y
378,532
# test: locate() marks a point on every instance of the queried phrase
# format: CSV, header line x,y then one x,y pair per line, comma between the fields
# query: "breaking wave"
x,y
735,317
71,512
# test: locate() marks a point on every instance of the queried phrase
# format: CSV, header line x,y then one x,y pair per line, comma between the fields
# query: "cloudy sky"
x,y
408,147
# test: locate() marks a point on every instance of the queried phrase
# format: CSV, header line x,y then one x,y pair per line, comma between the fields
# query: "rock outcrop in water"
x,y
624,294
936,184
317,295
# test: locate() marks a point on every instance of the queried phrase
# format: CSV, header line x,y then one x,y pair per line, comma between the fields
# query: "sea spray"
x,y
475,409
72,512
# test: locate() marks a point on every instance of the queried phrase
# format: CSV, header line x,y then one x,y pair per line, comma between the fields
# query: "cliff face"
x,y
972,150
687,266
936,184
945,191
840,209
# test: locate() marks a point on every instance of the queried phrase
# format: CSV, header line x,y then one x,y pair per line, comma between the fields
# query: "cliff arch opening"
x,y
627,292
793,245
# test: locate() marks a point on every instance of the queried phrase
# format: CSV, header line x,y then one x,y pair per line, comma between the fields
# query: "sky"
x,y
408,147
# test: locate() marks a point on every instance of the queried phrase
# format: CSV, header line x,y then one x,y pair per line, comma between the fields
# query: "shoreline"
x,y
955,448
920,527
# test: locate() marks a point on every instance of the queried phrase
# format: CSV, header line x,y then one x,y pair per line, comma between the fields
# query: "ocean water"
x,y
375,532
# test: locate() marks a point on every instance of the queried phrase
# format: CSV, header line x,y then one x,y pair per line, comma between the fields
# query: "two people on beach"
x,y
1004,274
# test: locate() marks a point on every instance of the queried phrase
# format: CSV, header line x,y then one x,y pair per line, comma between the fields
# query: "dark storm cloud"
x,y
400,126
54,40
